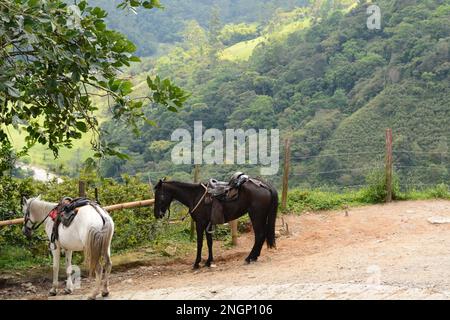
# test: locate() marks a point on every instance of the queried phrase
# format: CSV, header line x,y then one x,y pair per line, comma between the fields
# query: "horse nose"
x,y
26,232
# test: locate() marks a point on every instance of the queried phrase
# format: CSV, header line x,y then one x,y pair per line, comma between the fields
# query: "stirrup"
x,y
210,228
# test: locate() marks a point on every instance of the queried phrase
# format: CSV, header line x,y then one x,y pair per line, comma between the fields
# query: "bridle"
x,y
30,225
190,212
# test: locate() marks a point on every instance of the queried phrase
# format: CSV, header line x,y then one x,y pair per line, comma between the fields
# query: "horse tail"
x,y
271,218
98,243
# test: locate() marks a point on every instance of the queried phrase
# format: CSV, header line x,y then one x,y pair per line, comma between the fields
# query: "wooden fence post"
x,y
196,180
234,232
96,195
389,165
82,189
287,163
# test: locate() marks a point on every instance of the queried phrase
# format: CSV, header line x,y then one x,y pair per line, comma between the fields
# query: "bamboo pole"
x,y
130,205
11,222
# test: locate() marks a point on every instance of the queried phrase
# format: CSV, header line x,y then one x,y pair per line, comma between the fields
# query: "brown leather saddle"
x,y
219,192
65,212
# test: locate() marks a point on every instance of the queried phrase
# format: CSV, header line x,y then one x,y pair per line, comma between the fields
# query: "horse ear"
x,y
24,200
164,179
38,197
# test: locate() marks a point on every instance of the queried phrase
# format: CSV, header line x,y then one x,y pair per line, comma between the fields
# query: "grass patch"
x,y
19,258
317,200
300,201
293,27
241,51
441,191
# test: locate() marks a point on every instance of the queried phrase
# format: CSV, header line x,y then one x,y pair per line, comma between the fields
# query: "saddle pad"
x,y
68,217
259,183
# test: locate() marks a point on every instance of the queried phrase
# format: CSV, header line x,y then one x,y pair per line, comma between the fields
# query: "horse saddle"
x,y
65,212
226,191
221,191
68,209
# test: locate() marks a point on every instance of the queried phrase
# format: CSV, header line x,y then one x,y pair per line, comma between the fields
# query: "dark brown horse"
x,y
261,203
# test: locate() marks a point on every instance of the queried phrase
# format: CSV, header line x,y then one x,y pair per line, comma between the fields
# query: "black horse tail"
x,y
271,219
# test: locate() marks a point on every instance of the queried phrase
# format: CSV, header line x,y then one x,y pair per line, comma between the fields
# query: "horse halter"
x,y
30,225
160,184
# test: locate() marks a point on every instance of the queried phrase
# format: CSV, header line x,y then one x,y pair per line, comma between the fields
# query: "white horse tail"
x,y
98,243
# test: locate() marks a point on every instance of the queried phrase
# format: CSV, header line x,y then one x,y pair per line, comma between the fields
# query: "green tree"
x,y
54,57
214,28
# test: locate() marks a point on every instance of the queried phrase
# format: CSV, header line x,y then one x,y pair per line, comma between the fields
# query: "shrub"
x,y
133,227
441,191
316,200
376,192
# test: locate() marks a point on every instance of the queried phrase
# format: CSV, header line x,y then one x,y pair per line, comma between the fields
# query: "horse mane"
x,y
184,184
42,207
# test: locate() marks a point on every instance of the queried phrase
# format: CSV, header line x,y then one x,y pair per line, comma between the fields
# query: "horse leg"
x,y
69,284
98,281
260,235
200,229
56,256
108,267
209,241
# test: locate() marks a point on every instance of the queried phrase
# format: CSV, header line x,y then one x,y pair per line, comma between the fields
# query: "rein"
x,y
198,203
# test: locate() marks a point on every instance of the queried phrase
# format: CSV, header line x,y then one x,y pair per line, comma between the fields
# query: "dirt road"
x,y
382,252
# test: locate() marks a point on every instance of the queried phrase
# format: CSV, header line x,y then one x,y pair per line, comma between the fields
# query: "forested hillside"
x,y
150,30
310,68
333,85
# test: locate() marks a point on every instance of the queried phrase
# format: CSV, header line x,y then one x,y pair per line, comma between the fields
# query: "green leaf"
x,y
150,122
13,92
33,3
134,59
82,5
81,126
173,109
126,88
135,3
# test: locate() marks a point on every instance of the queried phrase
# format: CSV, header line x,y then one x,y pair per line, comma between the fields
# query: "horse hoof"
x,y
250,260
52,292
68,291
196,266
91,298
105,294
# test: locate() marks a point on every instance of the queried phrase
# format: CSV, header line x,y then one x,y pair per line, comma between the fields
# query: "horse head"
x,y
163,199
30,223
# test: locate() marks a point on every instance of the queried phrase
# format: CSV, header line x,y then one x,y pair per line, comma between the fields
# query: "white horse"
x,y
91,231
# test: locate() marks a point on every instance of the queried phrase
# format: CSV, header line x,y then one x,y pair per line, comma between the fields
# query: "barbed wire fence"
x,y
340,165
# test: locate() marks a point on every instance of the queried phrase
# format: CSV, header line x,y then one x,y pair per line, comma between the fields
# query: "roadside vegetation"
x,y
137,231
